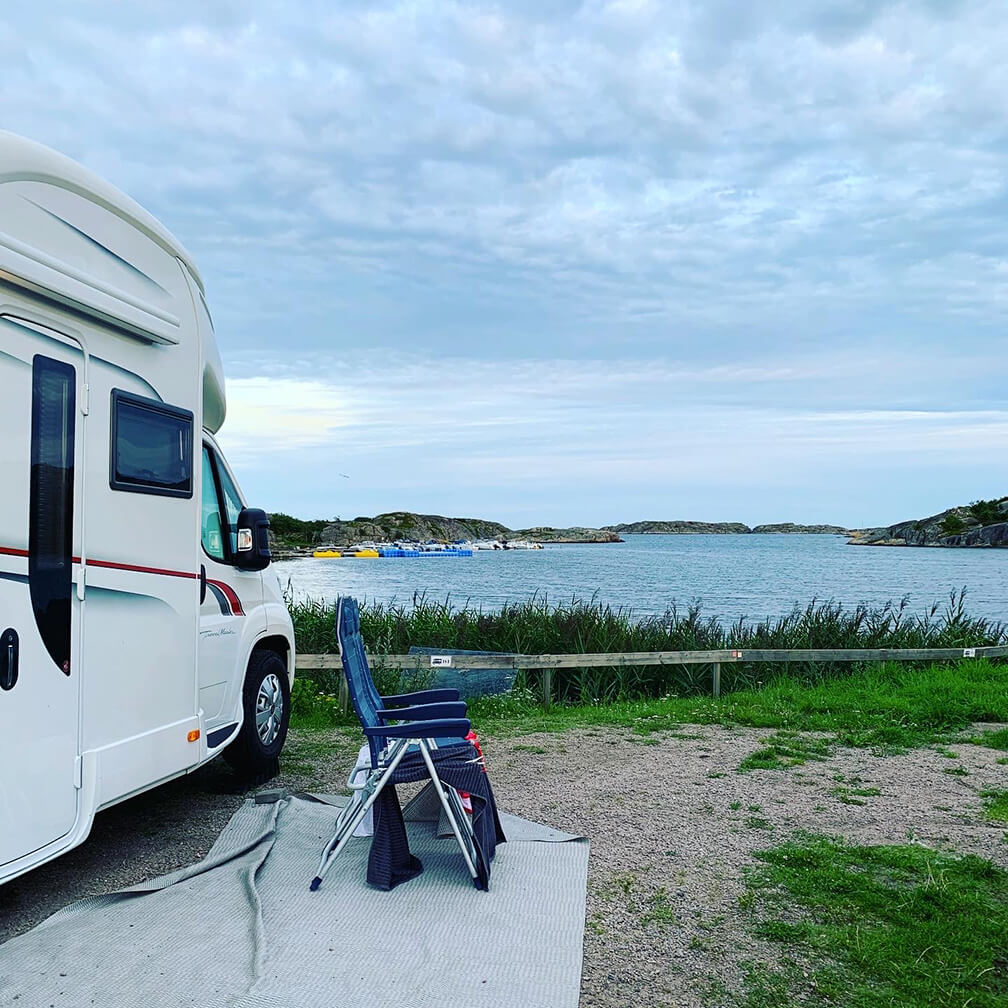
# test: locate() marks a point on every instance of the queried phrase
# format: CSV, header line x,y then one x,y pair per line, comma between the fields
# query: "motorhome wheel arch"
x,y
142,631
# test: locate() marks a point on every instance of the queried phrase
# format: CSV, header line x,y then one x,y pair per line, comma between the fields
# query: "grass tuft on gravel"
x,y
787,749
867,927
996,805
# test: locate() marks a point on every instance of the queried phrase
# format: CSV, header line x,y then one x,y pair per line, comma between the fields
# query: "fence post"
x,y
716,685
547,686
343,692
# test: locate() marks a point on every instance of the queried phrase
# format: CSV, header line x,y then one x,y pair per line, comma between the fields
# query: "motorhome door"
x,y
41,438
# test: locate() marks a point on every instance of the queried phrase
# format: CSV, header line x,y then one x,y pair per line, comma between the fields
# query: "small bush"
x,y
987,512
952,524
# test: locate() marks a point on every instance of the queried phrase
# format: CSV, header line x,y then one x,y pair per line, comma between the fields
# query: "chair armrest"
x,y
445,728
422,697
426,712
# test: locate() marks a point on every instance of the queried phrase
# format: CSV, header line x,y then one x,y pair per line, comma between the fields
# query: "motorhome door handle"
x,y
9,660
202,584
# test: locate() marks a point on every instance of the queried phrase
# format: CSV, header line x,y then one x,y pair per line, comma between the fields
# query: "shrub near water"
x,y
589,627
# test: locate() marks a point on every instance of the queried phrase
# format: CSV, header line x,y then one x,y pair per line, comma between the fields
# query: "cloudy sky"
x,y
569,263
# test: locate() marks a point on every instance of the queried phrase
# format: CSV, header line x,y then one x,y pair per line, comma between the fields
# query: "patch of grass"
x,y
956,771
312,710
853,795
626,881
658,910
879,926
765,988
713,992
996,805
991,739
786,749
757,822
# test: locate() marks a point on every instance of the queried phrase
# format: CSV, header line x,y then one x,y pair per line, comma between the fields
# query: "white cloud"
x,y
270,416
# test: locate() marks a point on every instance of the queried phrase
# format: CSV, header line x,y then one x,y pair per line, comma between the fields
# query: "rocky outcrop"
x,y
789,528
680,528
406,525
969,525
988,535
546,534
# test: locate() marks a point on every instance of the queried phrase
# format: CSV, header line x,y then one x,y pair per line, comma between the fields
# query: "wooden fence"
x,y
546,663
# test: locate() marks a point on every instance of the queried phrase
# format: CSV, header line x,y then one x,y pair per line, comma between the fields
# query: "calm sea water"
x,y
731,575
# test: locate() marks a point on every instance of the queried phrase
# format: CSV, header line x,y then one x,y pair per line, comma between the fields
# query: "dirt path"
x,y
671,822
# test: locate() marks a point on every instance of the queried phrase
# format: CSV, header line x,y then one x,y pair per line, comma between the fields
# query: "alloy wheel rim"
x,y
269,709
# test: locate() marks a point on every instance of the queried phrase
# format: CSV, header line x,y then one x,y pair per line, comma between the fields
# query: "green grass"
x,y
867,927
996,805
991,739
851,795
786,749
889,706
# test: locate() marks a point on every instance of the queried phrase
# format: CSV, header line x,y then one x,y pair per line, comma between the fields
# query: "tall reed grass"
x,y
587,626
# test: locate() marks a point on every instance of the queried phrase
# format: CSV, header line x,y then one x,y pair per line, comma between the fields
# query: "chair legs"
x,y
365,795
456,814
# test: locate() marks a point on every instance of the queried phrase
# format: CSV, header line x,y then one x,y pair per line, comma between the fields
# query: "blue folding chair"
x,y
431,721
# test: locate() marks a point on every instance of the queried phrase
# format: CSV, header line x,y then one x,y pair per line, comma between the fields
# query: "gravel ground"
x,y
672,828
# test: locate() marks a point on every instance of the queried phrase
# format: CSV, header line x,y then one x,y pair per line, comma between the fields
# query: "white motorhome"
x,y
141,631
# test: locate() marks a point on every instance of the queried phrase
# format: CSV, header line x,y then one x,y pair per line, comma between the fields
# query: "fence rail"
x,y
546,663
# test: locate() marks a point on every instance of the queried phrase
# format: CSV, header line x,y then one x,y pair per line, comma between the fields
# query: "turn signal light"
x,y
193,736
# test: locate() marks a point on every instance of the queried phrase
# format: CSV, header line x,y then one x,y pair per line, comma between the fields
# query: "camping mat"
x,y
241,929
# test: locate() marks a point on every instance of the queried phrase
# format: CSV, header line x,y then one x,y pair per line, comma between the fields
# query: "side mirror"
x,y
253,551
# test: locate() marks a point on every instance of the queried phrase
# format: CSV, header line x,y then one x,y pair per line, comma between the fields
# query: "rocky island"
x,y
982,523
680,528
724,528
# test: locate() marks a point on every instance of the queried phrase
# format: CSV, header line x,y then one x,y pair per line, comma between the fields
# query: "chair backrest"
x,y
363,695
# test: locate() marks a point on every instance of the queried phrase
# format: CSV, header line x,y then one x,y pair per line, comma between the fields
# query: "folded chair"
x,y
432,730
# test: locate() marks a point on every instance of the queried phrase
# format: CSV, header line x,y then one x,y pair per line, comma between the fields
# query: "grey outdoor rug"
x,y
241,928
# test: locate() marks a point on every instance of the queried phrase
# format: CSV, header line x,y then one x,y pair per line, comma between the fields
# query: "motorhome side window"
x,y
210,520
232,505
151,446
219,492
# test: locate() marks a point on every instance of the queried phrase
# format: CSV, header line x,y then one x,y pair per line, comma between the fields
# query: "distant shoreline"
x,y
980,524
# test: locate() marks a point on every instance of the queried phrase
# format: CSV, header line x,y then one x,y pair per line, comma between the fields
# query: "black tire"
x,y
254,754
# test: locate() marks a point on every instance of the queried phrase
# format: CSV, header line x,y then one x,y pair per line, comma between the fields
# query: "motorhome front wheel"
x,y
255,752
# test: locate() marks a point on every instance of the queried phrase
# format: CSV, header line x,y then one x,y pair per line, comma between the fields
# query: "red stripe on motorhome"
x,y
10,551
137,569
229,594
233,600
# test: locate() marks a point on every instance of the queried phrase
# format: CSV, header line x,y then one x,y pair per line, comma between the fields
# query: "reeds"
x,y
587,626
